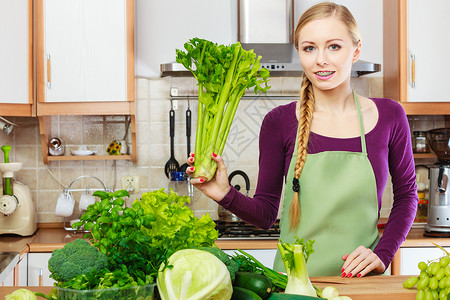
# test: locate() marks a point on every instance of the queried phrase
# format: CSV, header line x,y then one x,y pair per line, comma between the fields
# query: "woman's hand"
x,y
218,186
360,262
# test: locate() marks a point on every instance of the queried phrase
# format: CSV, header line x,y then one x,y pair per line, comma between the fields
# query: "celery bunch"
x,y
223,74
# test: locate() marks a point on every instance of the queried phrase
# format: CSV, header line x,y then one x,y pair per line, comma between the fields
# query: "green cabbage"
x,y
195,274
21,294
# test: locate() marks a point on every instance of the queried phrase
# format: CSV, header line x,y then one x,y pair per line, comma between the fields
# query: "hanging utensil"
x,y
188,136
172,164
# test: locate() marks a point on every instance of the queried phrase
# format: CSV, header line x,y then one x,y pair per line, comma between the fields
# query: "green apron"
x,y
338,206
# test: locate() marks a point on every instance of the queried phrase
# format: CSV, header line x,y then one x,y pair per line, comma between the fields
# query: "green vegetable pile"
x,y
223,74
128,245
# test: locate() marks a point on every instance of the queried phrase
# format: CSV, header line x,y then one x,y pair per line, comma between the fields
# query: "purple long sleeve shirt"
x,y
389,151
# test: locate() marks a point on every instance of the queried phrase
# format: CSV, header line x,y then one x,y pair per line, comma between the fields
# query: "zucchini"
x,y
257,283
240,293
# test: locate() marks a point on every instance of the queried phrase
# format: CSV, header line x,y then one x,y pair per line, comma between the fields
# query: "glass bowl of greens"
x,y
144,292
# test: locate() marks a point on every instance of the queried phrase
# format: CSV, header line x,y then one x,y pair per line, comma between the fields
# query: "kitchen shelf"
x,y
89,157
425,155
426,108
44,131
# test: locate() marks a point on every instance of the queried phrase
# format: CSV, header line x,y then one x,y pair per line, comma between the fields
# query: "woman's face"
x,y
327,52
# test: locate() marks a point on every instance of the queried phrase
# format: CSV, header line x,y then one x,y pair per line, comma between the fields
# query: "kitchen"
x,y
153,94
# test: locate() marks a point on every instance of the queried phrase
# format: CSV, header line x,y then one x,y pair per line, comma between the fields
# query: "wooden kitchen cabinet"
x,y
410,258
415,51
85,55
16,63
264,256
36,263
85,64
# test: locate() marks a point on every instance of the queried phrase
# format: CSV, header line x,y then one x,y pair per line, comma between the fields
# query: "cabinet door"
x,y
85,50
36,263
15,52
410,258
264,256
428,44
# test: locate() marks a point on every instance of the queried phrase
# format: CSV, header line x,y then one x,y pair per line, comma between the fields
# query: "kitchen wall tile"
x,y
27,135
142,88
143,133
184,85
93,119
46,201
159,111
144,154
360,85
27,177
47,180
27,155
160,88
92,134
142,110
290,86
71,132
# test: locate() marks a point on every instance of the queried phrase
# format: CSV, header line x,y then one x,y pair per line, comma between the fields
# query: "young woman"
x,y
335,150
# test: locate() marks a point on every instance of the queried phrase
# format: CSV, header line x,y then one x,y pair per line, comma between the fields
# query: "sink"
x,y
8,260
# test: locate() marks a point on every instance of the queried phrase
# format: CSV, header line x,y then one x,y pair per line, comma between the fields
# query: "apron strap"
x,y
361,124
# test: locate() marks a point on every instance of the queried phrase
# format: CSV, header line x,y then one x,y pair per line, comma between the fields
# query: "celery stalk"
x,y
223,74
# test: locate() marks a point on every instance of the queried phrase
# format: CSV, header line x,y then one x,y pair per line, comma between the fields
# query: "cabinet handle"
x,y
40,277
49,71
413,70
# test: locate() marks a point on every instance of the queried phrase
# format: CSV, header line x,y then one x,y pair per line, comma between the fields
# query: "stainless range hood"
x,y
266,26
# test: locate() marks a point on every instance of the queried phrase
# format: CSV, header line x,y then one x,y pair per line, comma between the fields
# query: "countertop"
x,y
49,239
366,288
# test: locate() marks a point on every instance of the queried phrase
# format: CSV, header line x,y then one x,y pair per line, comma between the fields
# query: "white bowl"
x,y
82,152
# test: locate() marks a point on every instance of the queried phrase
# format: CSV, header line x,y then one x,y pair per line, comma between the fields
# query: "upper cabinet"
x,y
415,55
84,64
16,58
85,57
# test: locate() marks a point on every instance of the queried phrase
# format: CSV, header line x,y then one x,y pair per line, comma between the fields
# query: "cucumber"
x,y
244,294
279,296
257,283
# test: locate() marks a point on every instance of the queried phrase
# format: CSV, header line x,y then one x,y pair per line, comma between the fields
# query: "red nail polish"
x,y
191,159
343,274
193,154
349,275
359,275
191,169
342,271
202,180
214,155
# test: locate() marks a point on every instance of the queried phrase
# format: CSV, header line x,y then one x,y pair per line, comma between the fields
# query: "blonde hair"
x,y
319,11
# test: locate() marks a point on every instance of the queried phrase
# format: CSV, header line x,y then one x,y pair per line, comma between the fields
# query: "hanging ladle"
x,y
188,136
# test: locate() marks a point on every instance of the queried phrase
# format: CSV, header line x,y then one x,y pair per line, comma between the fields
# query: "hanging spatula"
x,y
172,164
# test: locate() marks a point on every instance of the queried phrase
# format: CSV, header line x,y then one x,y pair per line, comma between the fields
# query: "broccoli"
x,y
232,266
75,258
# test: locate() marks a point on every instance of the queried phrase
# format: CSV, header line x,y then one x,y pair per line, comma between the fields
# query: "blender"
x,y
438,223
17,209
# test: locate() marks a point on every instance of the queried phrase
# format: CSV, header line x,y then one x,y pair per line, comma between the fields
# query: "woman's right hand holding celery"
x,y
218,186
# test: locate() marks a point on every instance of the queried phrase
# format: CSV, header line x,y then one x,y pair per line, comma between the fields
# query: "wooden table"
x,y
366,288
369,287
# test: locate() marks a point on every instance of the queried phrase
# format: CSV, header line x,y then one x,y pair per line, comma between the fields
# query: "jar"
x,y
422,211
178,182
419,143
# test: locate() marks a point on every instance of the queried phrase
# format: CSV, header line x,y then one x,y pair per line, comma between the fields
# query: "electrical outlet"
x,y
131,184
